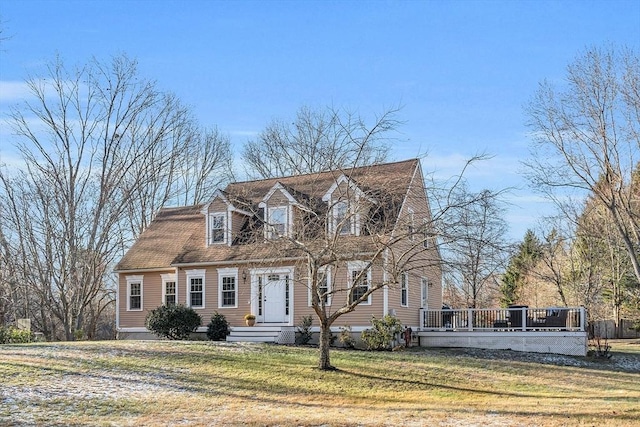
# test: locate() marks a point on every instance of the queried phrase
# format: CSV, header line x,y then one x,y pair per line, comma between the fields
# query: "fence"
x,y
514,318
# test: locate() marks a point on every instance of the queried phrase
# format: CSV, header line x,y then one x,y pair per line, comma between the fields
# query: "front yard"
x,y
135,383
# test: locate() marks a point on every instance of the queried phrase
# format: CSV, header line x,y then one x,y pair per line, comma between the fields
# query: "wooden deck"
x,y
560,330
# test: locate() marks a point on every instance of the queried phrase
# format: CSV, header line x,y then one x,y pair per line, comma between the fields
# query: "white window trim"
x,y
169,277
130,281
225,228
357,266
404,283
348,217
327,271
411,227
425,235
227,272
424,292
287,221
195,274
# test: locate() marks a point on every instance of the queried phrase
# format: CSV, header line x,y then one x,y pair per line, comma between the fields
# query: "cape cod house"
x,y
248,251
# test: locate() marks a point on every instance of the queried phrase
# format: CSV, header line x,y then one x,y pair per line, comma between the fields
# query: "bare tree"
x,y
103,149
392,240
319,140
387,247
587,137
473,235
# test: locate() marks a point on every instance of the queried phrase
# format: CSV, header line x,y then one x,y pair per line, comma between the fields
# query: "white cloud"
x,y
12,91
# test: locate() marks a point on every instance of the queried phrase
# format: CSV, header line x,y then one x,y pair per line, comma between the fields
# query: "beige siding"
x,y
340,279
235,316
218,205
151,297
237,221
277,199
424,262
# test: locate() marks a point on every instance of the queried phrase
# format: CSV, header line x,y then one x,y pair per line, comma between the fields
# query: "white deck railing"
x,y
515,318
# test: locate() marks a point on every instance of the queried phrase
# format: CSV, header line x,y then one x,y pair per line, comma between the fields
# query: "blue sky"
x,y
462,70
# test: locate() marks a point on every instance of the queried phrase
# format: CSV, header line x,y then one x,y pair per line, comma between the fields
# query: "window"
x,y
424,292
134,293
404,290
196,296
359,279
228,292
324,286
425,242
170,293
217,228
411,226
260,288
341,219
195,288
169,289
278,221
286,295
228,288
135,296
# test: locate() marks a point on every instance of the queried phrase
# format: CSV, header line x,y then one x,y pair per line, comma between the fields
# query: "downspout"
x,y
385,277
117,305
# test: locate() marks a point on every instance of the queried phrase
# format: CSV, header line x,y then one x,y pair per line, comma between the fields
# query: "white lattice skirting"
x,y
287,335
562,342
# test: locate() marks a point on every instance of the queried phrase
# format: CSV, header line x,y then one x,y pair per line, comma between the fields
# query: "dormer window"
x,y
342,220
217,228
278,221
347,202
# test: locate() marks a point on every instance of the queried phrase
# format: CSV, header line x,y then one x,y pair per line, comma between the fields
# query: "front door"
x,y
275,298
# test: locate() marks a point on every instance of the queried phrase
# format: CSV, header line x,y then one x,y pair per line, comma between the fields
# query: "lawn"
x,y
135,383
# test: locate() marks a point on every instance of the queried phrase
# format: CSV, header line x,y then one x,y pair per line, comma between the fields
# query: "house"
x,y
248,251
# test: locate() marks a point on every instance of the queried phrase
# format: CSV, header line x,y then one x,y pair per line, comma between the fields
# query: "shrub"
x,y
218,328
13,335
599,348
345,337
384,331
175,322
304,331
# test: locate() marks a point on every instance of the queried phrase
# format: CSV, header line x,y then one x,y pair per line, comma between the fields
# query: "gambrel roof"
x,y
177,235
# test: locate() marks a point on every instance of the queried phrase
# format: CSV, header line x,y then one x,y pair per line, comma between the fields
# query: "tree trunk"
x,y
324,362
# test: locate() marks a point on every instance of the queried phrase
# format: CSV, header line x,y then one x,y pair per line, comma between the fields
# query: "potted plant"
x,y
250,319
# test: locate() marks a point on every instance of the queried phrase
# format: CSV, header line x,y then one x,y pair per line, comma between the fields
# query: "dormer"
x,y
222,220
346,203
277,206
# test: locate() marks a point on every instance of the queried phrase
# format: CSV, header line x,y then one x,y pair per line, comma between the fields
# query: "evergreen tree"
x,y
519,266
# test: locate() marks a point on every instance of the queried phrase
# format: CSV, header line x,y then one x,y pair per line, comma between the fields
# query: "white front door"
x,y
274,298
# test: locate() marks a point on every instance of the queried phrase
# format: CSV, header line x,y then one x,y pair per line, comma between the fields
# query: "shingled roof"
x,y
177,235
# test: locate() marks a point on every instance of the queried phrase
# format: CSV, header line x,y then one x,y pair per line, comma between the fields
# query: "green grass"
x,y
202,383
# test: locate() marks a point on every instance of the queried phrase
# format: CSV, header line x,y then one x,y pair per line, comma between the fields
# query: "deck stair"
x,y
275,334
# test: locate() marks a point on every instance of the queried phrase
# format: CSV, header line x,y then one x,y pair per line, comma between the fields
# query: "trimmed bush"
x,y
218,328
175,322
384,331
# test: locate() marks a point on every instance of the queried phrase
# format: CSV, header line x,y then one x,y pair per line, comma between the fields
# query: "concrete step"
x,y
256,328
278,334
254,334
232,338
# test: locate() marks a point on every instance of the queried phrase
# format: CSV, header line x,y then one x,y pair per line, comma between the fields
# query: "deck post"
x,y
470,318
523,314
